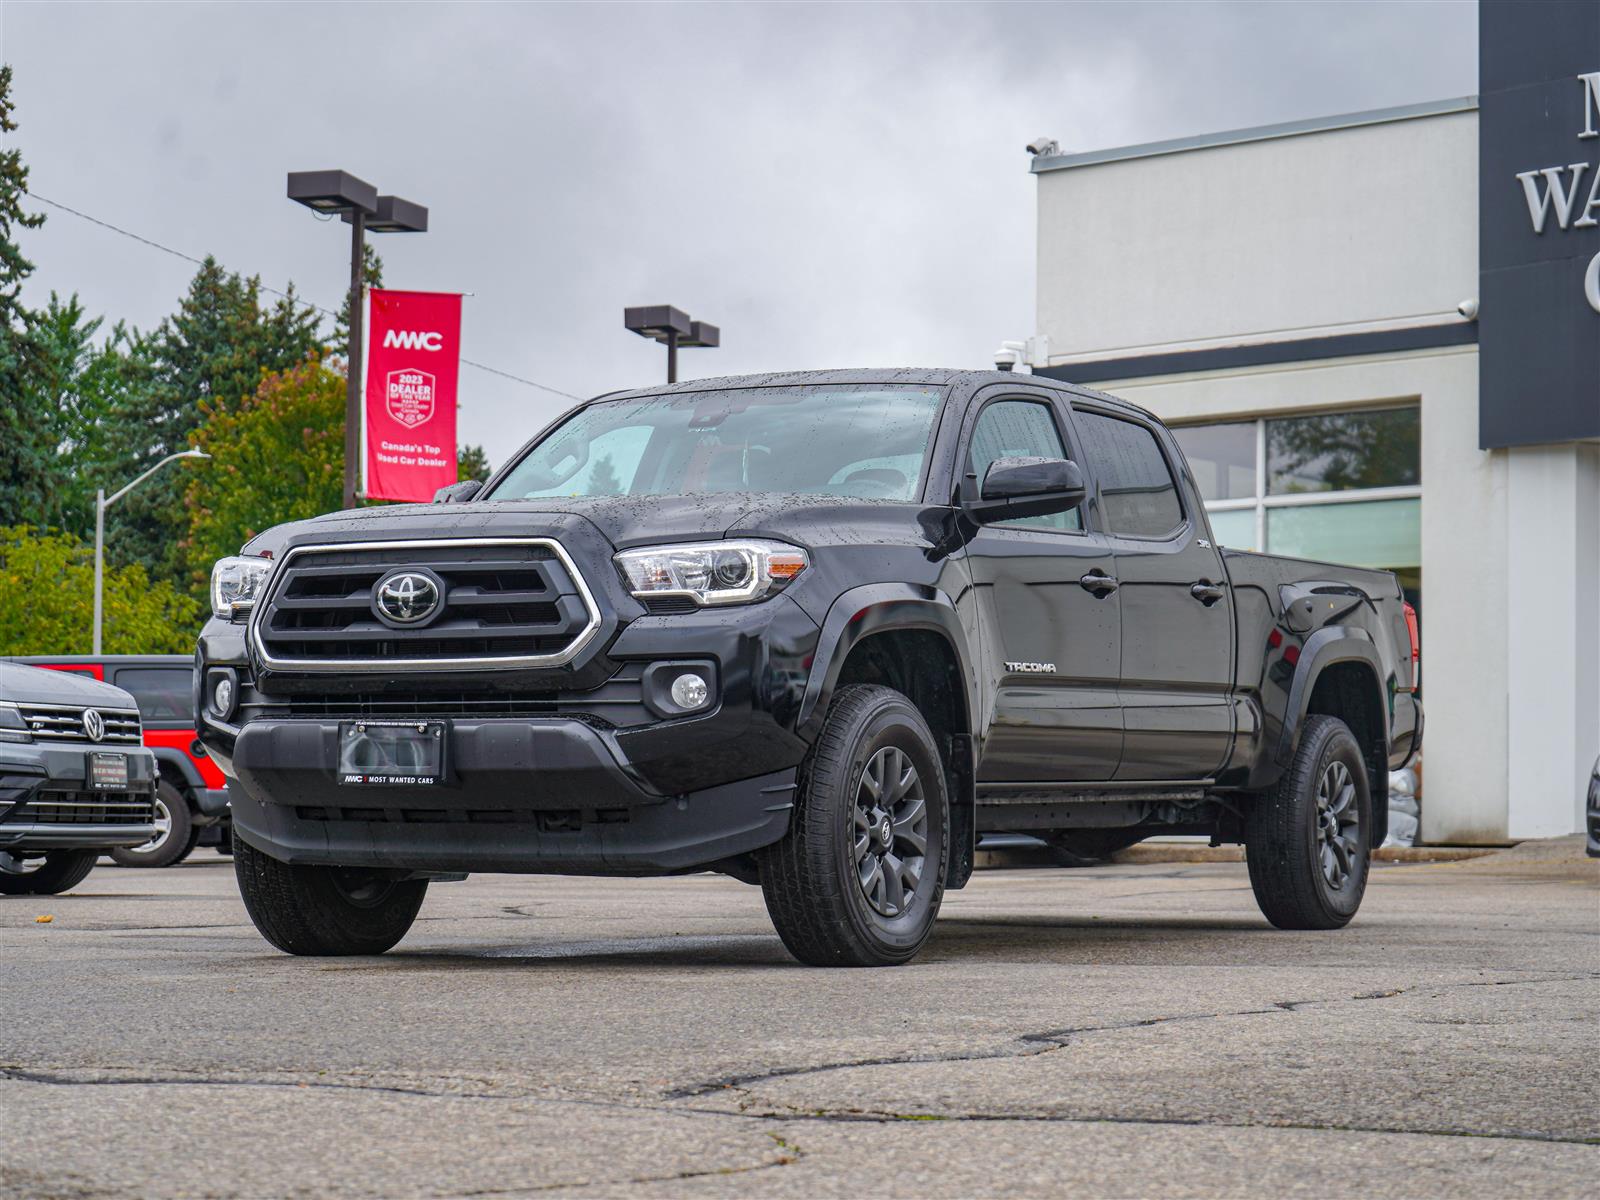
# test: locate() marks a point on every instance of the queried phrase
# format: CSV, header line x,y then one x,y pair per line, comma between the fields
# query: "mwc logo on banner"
x,y
413,362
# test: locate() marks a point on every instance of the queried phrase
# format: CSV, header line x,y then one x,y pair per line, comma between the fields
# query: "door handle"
x,y
1207,593
1099,584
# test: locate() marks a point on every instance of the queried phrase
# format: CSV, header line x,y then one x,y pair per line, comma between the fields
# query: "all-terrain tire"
x,y
1288,846
324,911
828,905
174,844
61,871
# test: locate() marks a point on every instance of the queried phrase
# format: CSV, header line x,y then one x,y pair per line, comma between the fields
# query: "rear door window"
x,y
1136,485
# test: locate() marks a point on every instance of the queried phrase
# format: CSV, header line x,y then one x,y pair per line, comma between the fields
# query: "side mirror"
x,y
1028,487
458,493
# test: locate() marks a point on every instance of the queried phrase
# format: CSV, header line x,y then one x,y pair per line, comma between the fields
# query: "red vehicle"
x,y
192,798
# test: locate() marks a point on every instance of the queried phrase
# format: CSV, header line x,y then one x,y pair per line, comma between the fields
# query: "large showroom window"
x,y
1343,487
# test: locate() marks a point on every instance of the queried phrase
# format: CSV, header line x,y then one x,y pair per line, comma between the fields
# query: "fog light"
x,y
690,691
222,697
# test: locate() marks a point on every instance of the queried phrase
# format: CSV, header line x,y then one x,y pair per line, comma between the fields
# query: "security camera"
x,y
1044,146
1468,309
1005,359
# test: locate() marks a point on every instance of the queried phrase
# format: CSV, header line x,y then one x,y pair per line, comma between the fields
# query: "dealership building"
x,y
1378,339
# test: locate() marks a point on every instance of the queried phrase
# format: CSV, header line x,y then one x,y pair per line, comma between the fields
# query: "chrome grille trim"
x,y
504,662
64,723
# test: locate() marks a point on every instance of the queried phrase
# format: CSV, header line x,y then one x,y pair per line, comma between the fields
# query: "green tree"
x,y
47,601
276,456
472,463
26,452
207,358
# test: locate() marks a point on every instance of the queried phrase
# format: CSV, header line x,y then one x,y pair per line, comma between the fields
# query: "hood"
x,y
624,521
39,685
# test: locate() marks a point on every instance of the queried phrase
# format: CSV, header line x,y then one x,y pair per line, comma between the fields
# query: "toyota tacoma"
x,y
818,631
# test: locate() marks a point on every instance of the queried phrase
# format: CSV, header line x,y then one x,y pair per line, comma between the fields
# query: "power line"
x,y
293,299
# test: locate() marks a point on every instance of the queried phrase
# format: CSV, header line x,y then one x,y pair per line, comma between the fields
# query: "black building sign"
x,y
1538,221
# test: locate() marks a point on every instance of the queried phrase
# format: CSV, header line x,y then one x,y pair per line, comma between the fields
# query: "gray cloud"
x,y
832,184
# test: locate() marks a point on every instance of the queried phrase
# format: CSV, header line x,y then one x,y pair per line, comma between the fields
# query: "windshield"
x,y
868,441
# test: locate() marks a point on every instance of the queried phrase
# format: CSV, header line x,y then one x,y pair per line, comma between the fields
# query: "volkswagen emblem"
x,y
406,598
94,725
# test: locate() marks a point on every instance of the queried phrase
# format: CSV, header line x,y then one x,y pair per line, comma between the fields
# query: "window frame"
x,y
1263,500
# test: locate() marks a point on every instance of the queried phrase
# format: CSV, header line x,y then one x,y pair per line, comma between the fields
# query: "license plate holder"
x,y
392,753
106,772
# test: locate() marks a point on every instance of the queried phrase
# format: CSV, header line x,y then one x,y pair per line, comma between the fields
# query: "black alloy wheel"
x,y
1306,839
858,879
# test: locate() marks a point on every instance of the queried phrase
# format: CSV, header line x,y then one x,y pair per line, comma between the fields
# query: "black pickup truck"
x,y
818,631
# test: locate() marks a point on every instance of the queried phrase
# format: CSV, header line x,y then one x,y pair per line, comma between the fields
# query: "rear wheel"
x,y
858,879
1307,840
47,874
176,833
324,910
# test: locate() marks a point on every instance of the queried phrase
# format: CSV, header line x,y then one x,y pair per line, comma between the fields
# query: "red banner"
x,y
412,361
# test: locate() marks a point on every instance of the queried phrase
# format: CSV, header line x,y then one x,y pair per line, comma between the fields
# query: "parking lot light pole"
x,y
359,204
674,328
103,502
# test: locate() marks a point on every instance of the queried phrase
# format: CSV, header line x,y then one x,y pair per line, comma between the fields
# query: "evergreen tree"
x,y
213,352
26,452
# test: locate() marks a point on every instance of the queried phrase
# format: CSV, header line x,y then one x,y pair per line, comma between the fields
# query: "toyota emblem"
x,y
406,598
94,725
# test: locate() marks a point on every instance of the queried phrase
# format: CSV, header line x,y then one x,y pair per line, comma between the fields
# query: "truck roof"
x,y
912,376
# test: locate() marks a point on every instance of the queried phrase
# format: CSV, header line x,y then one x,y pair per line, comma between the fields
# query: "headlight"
x,y
713,572
236,584
12,727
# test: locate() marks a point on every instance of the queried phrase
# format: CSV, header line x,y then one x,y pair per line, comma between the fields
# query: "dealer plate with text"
x,y
392,753
107,772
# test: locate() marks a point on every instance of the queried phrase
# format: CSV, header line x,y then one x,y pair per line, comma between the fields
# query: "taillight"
x,y
1416,648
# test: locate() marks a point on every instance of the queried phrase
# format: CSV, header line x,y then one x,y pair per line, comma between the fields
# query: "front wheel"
x,y
47,874
324,910
858,879
1307,841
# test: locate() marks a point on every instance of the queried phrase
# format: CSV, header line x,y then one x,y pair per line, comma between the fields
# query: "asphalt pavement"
x,y
1118,1031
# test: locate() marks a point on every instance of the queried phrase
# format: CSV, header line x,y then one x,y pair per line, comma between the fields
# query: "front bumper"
x,y
538,796
46,804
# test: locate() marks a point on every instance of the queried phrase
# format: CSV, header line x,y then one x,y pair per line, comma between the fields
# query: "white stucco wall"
x,y
1326,232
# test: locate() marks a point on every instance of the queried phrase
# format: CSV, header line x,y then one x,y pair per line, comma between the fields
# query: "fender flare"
x,y
877,608
178,761
1327,646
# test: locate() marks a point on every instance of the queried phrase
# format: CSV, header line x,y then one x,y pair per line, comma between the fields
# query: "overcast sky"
x,y
832,184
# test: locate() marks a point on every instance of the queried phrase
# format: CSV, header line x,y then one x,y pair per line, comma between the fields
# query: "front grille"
x,y
85,808
64,723
505,603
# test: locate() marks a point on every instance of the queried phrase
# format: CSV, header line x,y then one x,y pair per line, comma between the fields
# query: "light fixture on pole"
x,y
103,502
674,328
365,212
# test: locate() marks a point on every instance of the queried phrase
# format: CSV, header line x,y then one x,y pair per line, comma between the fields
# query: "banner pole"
x,y
366,335
354,389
